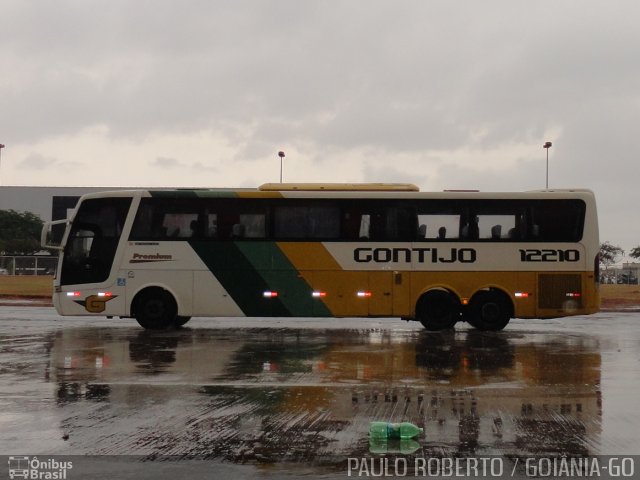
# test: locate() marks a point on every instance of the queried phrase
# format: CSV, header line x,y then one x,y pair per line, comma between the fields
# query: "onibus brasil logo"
x,y
33,468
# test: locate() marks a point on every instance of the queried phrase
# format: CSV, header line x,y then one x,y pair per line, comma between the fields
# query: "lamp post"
x,y
1,147
281,155
547,146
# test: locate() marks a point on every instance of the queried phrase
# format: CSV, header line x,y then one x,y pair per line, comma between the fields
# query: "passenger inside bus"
x,y
237,231
471,230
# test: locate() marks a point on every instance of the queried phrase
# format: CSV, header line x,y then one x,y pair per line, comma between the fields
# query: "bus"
x,y
330,250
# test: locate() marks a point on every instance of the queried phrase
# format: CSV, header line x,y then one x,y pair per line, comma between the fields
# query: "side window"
x,y
179,225
231,219
494,221
167,219
438,226
556,220
378,221
355,223
252,225
306,222
496,227
237,220
440,220
290,222
189,218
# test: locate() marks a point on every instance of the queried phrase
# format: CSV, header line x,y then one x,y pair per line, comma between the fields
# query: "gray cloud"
x,y
399,78
164,162
35,161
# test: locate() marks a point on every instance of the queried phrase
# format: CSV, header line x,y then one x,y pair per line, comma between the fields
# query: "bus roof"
x,y
339,187
341,190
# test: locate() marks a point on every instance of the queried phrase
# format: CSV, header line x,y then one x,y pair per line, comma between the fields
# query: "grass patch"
x,y
26,285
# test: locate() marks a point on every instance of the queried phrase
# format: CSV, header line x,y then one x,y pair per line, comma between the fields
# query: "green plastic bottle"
x,y
404,446
393,430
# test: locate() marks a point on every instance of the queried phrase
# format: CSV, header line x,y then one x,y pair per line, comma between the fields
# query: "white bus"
x,y
330,250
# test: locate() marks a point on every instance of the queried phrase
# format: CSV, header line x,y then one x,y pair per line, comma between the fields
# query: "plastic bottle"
x,y
404,446
393,430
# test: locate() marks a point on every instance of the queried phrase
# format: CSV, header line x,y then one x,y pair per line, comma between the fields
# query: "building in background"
x,y
49,203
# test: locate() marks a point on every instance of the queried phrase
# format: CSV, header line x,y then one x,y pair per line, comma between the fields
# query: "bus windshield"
x,y
93,240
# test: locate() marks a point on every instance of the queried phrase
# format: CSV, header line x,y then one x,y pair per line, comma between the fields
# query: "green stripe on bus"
x,y
283,277
216,194
239,278
248,269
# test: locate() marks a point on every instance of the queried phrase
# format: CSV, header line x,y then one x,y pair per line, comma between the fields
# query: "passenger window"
x,y
376,221
557,220
302,222
179,225
253,225
438,226
496,227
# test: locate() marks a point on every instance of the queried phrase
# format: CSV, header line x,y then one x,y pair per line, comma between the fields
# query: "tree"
x,y
610,254
19,232
635,253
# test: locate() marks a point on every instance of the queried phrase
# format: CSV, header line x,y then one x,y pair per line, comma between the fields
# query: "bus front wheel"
x,y
438,310
155,309
489,311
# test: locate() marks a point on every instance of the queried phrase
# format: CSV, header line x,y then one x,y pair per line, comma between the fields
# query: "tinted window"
x,y
377,221
93,240
501,220
186,218
556,220
436,226
306,222
183,218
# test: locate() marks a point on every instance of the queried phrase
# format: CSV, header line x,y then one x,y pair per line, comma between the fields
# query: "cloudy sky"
x,y
439,93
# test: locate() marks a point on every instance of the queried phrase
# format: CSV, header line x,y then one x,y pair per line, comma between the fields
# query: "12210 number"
x,y
548,255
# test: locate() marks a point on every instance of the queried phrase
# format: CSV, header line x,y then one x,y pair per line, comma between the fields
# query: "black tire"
x,y
489,311
180,321
155,309
438,310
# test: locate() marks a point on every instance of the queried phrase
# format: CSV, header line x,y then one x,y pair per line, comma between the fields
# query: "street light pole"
x,y
281,155
547,146
1,147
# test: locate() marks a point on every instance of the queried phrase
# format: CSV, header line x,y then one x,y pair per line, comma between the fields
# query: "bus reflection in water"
x,y
288,396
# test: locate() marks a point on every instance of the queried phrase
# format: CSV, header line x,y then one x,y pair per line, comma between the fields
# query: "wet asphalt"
x,y
295,396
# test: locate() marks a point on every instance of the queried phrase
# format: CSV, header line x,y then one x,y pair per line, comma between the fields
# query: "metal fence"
x,y
28,265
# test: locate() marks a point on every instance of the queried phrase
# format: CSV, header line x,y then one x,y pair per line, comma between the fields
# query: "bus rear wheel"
x,y
438,310
489,311
180,321
155,309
